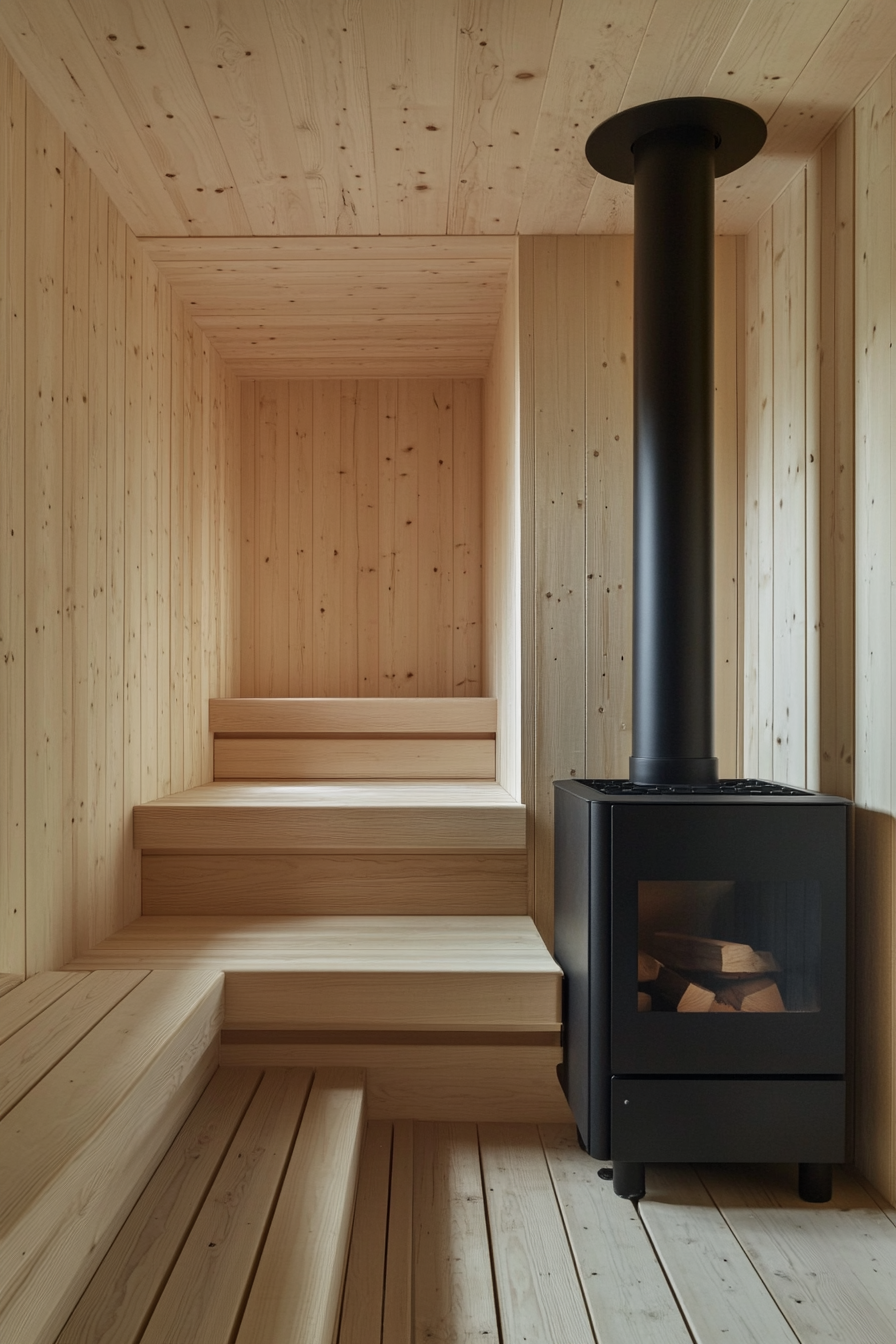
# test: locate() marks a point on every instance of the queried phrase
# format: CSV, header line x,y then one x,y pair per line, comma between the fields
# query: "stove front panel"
x,y
727,936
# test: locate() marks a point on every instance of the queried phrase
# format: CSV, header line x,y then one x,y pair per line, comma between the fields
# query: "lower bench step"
x,y
99,1072
243,1231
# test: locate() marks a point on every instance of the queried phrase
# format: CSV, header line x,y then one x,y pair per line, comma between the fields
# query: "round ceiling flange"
x,y
739,131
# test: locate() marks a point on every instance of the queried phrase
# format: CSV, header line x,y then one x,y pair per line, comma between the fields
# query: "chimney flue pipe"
x,y
672,151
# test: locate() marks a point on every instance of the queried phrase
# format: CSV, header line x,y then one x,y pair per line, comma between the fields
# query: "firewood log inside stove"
x,y
645,1003
758,995
687,952
648,968
676,993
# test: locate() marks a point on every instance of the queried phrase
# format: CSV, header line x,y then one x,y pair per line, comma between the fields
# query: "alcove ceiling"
x,y
441,127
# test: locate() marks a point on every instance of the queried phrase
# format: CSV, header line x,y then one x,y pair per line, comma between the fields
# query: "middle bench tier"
x,y
321,816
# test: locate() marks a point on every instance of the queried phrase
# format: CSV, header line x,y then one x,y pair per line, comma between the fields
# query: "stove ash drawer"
x,y
727,1120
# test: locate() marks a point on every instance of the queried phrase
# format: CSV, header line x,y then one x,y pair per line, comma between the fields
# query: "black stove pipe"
x,y
672,151
672,709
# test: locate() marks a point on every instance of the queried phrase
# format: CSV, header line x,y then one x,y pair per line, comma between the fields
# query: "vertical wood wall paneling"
x,y
559,390
501,648
529,602
176,552
335,622
435,594
752,534
608,470
75,564
361,537
12,517
764,439
874,821
301,545
726,532
110,419
163,549
94,902
837,452
789,416
45,757
149,538
812,459
118,821
133,560
467,511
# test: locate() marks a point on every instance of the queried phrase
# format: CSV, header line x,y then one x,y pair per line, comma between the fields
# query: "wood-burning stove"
x,y
700,924
701,934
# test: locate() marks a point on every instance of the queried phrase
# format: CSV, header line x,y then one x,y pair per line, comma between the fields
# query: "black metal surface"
x,y
816,1182
738,132
605,842
728,1120
737,788
629,1180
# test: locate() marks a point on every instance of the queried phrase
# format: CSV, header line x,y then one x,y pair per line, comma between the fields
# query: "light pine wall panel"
x,y
501,556
576,480
875,685
361,537
12,516
96,453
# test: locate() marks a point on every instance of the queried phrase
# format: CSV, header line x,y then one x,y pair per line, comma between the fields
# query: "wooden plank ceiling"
x,y
350,119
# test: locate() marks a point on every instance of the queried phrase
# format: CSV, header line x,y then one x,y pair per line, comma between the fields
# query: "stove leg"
x,y
628,1179
815,1182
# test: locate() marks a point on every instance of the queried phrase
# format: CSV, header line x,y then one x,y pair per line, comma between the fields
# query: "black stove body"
x,y
668,1056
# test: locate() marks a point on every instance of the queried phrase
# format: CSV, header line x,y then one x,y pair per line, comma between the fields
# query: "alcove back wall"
x,y
361,571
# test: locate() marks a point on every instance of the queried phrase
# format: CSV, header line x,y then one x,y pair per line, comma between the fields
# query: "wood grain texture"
x,y
350,815
30,1054
627,1294
272,758
349,716
398,1294
203,1298
31,998
121,1295
365,1275
400,118
814,1267
717,1288
464,1082
297,1289
45,781
453,1292
12,516
501,558
89,1135
539,1297
9,981
345,884
383,600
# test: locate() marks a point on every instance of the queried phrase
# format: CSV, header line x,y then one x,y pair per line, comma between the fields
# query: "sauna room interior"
x,y
316,572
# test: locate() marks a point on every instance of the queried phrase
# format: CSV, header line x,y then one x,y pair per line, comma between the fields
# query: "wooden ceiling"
x,y
347,307
349,119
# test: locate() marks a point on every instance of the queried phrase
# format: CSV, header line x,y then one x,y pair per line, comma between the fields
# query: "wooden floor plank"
x,y
539,1298
398,1300
831,1268
25,1001
453,1292
203,1299
121,1295
32,1052
627,1293
362,1306
719,1291
297,1290
8,982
